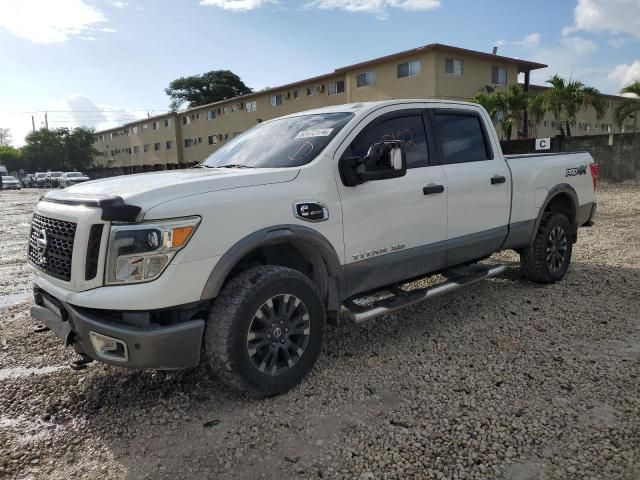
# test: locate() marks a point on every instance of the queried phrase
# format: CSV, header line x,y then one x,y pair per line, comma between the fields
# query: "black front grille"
x,y
51,246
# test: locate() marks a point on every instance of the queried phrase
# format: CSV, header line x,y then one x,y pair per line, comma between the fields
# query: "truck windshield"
x,y
285,142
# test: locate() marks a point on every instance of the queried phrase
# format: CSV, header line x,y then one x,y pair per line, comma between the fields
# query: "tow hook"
x,y
81,362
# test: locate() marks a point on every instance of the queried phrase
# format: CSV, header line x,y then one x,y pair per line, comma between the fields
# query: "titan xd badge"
x,y
311,211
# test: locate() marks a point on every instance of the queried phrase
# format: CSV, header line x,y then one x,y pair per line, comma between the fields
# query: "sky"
x,y
101,63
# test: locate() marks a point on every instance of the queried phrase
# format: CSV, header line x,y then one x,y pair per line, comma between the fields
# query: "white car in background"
x,y
10,183
72,178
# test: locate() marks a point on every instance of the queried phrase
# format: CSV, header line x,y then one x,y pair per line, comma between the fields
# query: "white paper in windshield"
x,y
319,132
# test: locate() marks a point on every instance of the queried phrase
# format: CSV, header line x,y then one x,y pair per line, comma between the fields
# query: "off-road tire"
x,y
225,338
533,258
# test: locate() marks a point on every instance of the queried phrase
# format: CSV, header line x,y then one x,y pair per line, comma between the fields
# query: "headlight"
x,y
140,253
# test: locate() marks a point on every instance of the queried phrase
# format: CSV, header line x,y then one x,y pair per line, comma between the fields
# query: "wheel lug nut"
x,y
282,341
273,344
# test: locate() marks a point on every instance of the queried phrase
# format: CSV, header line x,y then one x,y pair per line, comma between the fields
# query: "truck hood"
x,y
149,189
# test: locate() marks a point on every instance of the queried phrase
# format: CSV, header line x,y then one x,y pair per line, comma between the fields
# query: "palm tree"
x,y
505,106
564,99
629,107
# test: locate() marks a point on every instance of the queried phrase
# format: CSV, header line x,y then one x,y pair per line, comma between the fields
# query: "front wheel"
x,y
547,258
264,331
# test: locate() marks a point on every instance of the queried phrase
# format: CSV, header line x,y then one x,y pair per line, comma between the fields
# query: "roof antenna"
x,y
495,50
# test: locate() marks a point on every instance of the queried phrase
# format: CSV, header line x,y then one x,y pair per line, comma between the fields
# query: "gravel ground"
x,y
506,379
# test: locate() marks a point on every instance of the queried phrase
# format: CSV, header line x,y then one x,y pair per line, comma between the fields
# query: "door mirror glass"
x,y
387,159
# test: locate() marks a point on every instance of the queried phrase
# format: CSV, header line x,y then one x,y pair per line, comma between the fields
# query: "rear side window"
x,y
462,138
408,129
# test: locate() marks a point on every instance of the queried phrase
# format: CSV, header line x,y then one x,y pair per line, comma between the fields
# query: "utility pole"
x,y
33,124
46,121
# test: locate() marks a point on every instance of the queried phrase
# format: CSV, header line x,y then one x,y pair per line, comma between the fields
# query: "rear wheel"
x,y
547,258
265,330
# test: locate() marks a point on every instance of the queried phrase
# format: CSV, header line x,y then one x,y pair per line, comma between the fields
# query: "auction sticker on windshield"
x,y
319,132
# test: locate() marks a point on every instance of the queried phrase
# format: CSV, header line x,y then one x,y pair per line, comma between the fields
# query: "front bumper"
x,y
168,347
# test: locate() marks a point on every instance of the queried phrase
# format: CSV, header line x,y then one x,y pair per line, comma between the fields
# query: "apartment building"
x,y
184,138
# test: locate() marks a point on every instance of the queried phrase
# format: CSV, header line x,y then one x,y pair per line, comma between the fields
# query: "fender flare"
x,y
309,240
561,188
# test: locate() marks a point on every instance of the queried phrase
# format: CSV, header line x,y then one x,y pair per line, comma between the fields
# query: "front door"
x,y
394,228
478,183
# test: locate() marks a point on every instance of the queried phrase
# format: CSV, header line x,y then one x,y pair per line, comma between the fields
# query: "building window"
x,y
366,78
199,139
186,120
136,149
156,146
146,148
609,104
295,94
135,130
226,110
336,87
454,66
145,126
128,149
188,142
226,136
409,69
251,106
309,91
498,75
211,114
167,122
156,125
168,144
213,139
275,100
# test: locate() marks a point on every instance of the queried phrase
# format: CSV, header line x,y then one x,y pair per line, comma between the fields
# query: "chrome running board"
x,y
403,298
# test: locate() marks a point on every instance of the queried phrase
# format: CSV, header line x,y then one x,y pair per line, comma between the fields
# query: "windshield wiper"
x,y
235,165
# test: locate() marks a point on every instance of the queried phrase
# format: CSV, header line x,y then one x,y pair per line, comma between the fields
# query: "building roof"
x,y
523,65
545,87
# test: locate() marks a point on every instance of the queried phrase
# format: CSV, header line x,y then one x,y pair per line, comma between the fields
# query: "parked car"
x,y
52,179
239,263
27,180
40,179
3,170
72,178
10,183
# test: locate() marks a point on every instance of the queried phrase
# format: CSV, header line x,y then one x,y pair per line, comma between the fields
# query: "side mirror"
x,y
383,160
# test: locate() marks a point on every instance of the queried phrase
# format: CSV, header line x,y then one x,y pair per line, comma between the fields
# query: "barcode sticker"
x,y
320,132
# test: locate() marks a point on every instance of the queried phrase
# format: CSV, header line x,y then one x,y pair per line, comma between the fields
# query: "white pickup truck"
x,y
239,262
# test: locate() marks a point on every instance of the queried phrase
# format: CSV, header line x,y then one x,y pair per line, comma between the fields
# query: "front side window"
x,y
409,69
280,143
462,138
453,66
498,75
408,129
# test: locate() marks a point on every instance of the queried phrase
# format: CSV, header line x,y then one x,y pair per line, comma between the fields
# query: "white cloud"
x,y
625,74
237,5
616,16
119,4
579,46
377,7
531,40
46,21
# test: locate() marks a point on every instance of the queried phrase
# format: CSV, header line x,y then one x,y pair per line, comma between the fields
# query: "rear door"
x,y
394,228
478,183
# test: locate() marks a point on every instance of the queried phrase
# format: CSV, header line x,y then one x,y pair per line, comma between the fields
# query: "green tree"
x,y
11,158
505,106
197,90
59,149
565,98
629,107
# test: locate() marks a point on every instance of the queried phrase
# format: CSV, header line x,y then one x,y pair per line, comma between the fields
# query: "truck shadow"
x,y
505,316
